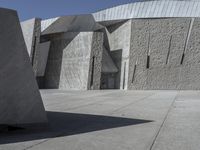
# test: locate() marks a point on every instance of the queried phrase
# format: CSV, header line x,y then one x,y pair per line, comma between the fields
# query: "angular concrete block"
x,y
108,66
28,28
20,100
43,53
78,23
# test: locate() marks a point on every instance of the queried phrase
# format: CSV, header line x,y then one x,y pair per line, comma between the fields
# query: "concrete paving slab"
x,y
114,120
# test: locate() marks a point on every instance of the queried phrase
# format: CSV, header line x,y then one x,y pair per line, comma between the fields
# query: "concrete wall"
x,y
28,28
69,60
120,39
95,69
43,52
75,62
164,41
31,32
20,100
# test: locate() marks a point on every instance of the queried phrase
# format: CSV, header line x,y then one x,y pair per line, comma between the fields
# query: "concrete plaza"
x,y
113,120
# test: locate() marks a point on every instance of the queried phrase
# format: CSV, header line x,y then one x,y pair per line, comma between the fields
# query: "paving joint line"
x,y
139,100
165,119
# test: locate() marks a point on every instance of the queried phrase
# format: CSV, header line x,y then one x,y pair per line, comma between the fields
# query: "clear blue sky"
x,y
51,8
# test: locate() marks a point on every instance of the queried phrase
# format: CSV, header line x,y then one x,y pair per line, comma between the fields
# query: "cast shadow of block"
x,y
65,124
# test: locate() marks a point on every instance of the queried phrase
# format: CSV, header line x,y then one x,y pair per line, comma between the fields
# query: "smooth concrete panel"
x,y
75,62
54,62
108,66
79,23
43,53
31,31
20,100
120,39
28,28
46,23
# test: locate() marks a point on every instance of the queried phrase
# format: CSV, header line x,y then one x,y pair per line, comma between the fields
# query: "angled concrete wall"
x,y
75,62
31,32
119,39
28,29
69,61
77,23
43,53
20,100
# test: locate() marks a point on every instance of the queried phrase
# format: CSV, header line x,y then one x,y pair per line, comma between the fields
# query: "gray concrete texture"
x,y
118,39
20,100
156,53
69,61
165,41
28,28
78,23
31,31
43,53
114,120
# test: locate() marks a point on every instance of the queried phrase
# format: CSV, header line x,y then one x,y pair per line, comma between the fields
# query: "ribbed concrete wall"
x,y
172,46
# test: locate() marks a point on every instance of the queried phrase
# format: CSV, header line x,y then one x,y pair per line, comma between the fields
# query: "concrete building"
x,y
146,45
20,100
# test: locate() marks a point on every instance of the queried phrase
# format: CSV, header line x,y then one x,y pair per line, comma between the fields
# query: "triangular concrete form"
x,y
28,28
20,100
108,66
80,23
112,27
48,22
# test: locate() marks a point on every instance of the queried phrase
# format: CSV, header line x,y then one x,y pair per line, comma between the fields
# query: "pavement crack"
x,y
165,118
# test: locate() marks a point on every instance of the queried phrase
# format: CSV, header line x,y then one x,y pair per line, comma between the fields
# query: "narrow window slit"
x,y
92,75
148,52
168,54
148,61
182,58
124,79
134,71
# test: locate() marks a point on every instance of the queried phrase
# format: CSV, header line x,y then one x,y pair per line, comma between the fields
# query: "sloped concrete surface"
x,y
114,120
20,100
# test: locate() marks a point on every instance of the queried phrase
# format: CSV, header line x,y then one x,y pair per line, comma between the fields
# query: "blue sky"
x,y
51,8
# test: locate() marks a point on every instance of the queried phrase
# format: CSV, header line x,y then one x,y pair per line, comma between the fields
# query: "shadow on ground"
x,y
65,124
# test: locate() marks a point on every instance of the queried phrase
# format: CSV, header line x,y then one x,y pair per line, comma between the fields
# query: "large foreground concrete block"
x,y
20,100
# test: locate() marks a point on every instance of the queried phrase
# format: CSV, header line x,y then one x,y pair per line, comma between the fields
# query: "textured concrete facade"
x,y
173,63
139,46
20,100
